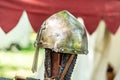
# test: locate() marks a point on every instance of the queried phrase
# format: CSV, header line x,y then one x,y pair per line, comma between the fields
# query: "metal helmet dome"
x,y
63,33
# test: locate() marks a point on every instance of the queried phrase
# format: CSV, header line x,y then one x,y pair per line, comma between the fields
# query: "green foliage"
x,y
14,63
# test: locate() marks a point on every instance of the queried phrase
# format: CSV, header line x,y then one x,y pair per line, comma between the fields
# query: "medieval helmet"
x,y
63,33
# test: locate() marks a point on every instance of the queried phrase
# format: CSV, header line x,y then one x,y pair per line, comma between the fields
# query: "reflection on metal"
x,y
63,33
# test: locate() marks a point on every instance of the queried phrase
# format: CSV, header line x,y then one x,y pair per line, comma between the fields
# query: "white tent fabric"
x,y
20,34
106,52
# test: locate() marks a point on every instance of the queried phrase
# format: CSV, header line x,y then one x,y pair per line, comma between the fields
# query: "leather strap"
x,y
67,67
56,66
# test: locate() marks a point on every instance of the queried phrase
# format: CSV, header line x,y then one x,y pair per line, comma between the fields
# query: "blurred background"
x,y
20,21
17,50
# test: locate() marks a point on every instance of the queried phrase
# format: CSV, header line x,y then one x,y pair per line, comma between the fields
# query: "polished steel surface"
x,y
63,33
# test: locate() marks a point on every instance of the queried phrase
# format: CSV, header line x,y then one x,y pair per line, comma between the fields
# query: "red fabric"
x,y
92,11
112,15
9,15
